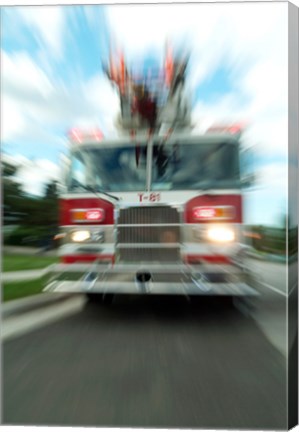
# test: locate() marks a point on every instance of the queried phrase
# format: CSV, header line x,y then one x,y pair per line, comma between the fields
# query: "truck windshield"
x,y
175,166
111,169
183,166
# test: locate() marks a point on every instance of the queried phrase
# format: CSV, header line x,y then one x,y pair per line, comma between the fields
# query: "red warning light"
x,y
204,212
94,215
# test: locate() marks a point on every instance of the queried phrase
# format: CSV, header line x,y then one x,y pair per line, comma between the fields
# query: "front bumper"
x,y
149,278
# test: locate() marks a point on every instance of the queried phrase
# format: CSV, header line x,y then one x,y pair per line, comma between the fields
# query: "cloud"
x,y
34,175
35,106
13,122
25,92
279,182
138,28
48,22
211,31
38,111
102,98
23,78
248,39
274,176
266,127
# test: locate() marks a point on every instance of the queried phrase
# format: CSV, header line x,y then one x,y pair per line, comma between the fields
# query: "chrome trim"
x,y
149,163
100,235
148,245
153,267
196,233
181,210
151,225
193,193
140,235
173,138
171,204
170,279
182,288
173,278
86,226
209,248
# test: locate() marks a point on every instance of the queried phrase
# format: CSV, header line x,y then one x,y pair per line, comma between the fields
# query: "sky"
x,y
52,80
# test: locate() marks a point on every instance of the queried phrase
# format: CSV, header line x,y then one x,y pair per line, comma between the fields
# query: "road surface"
x,y
152,362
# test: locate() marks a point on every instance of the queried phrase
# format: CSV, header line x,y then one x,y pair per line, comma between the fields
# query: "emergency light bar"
x,y
78,135
233,129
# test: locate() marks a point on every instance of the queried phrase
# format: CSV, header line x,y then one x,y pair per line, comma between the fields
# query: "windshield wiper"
x,y
96,191
206,186
210,187
91,188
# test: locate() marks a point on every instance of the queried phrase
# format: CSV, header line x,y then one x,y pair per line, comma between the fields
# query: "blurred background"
x,y
178,356
53,79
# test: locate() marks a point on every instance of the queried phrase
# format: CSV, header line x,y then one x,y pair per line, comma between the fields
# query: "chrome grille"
x,y
151,215
148,234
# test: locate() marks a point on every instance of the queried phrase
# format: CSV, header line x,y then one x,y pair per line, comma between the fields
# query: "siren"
x,y
169,66
233,129
78,136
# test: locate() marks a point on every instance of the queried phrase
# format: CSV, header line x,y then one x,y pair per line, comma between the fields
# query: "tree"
x,y
36,216
50,205
51,190
8,169
13,195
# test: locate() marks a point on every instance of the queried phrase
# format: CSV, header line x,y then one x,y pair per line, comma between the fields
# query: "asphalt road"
x,y
149,362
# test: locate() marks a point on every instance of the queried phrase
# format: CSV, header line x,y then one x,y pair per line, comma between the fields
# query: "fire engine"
x,y
157,210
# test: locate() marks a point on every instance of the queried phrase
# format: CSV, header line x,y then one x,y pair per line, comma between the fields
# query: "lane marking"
x,y
273,289
287,294
292,289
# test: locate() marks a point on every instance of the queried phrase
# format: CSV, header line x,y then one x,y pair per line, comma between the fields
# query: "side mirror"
x,y
65,164
247,168
248,181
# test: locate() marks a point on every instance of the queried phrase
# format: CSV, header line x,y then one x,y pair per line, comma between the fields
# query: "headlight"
x,y
221,234
80,236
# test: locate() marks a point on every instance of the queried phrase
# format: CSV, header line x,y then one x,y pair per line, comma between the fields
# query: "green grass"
x,y
26,262
15,290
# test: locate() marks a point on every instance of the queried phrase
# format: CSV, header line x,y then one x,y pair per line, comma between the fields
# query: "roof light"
x,y
232,129
235,129
78,135
75,135
98,134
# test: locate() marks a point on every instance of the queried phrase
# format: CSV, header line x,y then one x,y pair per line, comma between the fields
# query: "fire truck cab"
x,y
152,216
152,212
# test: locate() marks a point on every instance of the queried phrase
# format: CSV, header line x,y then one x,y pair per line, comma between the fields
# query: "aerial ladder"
x,y
156,104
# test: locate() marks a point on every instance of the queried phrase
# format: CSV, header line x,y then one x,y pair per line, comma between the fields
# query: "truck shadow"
x,y
164,308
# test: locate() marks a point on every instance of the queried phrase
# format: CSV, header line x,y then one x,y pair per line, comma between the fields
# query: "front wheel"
x,y
106,299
